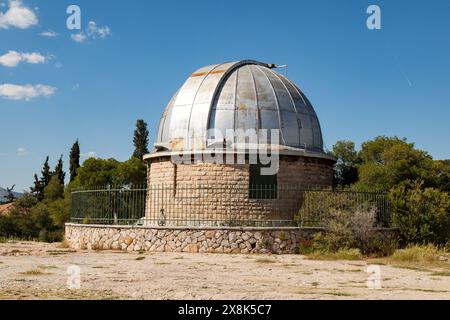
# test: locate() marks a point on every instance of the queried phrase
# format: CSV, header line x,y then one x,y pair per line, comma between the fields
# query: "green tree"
x,y
440,174
421,214
10,197
74,160
24,204
59,212
386,162
140,139
43,222
97,172
54,190
59,171
41,183
372,150
346,168
46,173
18,223
132,173
37,189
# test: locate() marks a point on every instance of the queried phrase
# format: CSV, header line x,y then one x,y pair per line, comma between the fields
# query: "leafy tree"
x,y
54,190
40,217
18,222
440,174
386,162
372,150
41,183
421,214
110,172
140,139
59,171
37,189
132,172
24,204
43,222
97,172
74,160
59,212
10,197
346,170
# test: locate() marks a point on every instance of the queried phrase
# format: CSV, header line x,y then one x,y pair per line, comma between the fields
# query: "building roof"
x,y
5,209
238,95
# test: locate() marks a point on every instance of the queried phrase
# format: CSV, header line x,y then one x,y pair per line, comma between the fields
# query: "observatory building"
x,y
203,173
238,145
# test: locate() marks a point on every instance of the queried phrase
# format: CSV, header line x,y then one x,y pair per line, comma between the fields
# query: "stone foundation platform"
x,y
184,239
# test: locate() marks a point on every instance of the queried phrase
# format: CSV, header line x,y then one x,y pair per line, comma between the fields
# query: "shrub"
x,y
366,237
317,205
348,229
421,214
339,233
31,220
18,226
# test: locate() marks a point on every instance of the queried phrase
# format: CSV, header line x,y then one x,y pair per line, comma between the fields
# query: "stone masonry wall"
x,y
176,188
302,171
231,240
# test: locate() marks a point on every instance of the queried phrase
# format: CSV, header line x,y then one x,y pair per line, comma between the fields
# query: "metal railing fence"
x,y
202,205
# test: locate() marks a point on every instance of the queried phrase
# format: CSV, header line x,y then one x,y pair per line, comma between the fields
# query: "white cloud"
x,y
92,32
13,58
88,155
10,59
22,152
25,92
79,37
49,33
95,32
18,16
34,58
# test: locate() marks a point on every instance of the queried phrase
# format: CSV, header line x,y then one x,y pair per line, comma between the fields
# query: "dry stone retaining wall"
x,y
213,240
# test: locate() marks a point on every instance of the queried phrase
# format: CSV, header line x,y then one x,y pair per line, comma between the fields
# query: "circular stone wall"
x,y
193,240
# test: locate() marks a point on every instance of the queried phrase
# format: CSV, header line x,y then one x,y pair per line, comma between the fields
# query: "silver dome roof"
x,y
238,95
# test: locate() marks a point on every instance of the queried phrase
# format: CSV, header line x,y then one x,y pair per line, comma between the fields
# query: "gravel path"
x,y
39,271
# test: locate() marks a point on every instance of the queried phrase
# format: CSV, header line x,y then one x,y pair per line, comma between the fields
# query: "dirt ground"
x,y
40,271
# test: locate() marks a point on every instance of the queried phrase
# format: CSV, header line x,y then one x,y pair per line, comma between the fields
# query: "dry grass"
x,y
33,272
47,267
419,254
342,254
419,258
441,274
64,245
265,260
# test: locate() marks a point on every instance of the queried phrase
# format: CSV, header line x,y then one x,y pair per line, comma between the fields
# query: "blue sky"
x,y
363,83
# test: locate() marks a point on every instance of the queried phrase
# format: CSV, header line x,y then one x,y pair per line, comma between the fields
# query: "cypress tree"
x,y
41,183
74,160
140,139
37,190
46,173
59,170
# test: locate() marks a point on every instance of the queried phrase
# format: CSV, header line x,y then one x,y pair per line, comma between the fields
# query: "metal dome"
x,y
238,95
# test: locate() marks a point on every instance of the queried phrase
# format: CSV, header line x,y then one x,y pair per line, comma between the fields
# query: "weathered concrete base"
x,y
206,240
